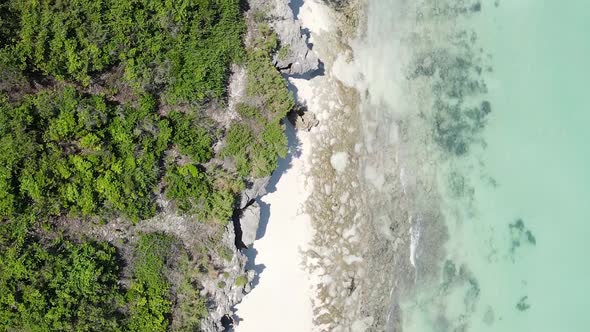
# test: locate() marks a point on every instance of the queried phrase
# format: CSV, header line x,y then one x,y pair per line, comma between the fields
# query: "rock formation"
x,y
302,119
257,188
224,291
249,221
295,57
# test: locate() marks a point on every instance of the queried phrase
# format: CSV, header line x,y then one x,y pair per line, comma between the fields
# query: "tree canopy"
x,y
183,47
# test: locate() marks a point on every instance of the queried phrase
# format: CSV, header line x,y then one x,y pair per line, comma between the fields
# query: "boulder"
x,y
249,221
254,190
303,120
250,274
296,57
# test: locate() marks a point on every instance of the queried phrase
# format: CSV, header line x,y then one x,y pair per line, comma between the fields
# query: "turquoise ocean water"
x,y
517,254
504,101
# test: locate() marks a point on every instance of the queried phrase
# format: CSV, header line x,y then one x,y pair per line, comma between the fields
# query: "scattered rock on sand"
x,y
302,119
339,161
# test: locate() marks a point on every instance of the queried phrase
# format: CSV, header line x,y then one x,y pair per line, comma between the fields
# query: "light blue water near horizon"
x,y
516,253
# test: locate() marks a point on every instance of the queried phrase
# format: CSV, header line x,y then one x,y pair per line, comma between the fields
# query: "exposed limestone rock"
x,y
221,290
249,221
303,120
295,57
337,4
250,274
255,189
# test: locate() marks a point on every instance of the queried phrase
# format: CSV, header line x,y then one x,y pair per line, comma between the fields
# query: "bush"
x,y
61,286
185,47
264,81
284,52
190,306
238,140
256,143
194,193
189,186
241,281
149,294
68,151
65,153
192,140
255,154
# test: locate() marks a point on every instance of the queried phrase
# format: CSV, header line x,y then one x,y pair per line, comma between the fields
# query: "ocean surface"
x,y
477,115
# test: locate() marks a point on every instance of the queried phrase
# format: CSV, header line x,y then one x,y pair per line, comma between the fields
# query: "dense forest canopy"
x,y
60,286
181,47
103,113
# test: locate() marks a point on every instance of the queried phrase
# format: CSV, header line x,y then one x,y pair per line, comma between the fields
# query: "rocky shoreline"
x,y
297,61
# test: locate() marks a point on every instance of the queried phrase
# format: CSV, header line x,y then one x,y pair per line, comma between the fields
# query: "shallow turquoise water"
x,y
522,234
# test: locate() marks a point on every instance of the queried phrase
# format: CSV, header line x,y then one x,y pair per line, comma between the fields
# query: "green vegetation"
x,y
58,286
194,193
264,81
284,52
241,281
183,47
259,158
148,296
63,285
259,140
192,307
62,152
192,140
225,253
105,108
238,140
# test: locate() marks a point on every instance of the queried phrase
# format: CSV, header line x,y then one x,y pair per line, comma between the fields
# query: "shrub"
x,y
149,294
256,143
264,81
241,281
185,48
194,193
284,52
190,306
192,140
65,153
255,154
225,253
61,286
189,186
